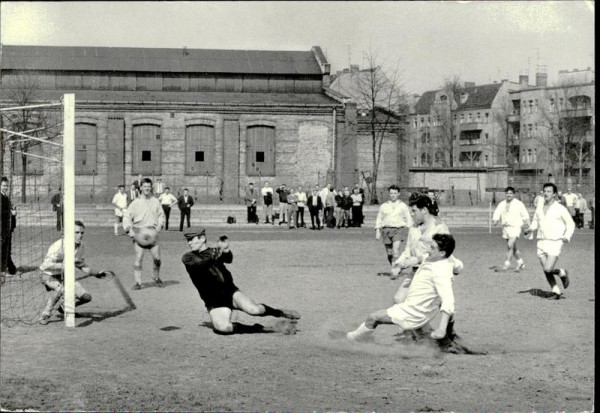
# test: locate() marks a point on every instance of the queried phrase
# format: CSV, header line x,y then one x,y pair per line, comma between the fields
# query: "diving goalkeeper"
x,y
206,267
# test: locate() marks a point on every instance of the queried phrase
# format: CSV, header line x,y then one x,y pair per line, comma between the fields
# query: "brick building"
x,y
209,120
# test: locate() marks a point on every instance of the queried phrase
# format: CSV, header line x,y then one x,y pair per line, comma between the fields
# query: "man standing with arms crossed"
x,y
555,227
167,201
512,214
267,196
393,221
145,212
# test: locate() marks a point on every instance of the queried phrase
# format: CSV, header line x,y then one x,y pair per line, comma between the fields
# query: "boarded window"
x,y
148,81
85,148
122,81
172,81
69,80
260,150
199,150
147,149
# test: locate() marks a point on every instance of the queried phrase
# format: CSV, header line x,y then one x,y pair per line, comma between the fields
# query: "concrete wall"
x,y
460,188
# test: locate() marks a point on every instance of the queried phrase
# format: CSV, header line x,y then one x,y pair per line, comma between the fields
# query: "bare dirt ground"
x,y
162,355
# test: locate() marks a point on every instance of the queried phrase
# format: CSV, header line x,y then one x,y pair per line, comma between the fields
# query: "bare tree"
x,y
22,91
567,119
444,131
380,91
507,143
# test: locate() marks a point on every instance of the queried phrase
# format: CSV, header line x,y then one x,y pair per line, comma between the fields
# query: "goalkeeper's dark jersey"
x,y
210,276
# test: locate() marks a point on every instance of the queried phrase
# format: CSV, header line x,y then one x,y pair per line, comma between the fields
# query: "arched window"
x,y
260,150
147,149
86,148
199,150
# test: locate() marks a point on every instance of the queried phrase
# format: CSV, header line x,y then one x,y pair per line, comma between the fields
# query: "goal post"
x,y
39,162
69,207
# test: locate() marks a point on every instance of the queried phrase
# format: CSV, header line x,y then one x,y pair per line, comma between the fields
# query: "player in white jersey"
x,y
429,294
145,212
393,221
415,252
120,203
512,215
554,227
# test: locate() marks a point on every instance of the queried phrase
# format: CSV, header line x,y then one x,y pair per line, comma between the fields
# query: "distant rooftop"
x,y
182,60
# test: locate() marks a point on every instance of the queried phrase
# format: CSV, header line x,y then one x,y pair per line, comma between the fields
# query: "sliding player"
x,y
206,267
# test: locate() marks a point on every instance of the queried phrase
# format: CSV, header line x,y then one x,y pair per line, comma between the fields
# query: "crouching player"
x,y
430,292
206,268
52,269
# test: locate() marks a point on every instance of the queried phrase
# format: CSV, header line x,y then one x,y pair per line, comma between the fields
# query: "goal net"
x,y
33,161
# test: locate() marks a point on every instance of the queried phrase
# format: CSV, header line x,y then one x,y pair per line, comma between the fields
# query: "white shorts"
x,y
409,318
511,232
546,247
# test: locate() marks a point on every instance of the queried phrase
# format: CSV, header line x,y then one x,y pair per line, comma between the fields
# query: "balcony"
x,y
471,144
471,126
514,118
578,113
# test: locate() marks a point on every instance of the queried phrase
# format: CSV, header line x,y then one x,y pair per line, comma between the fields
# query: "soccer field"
x,y
162,355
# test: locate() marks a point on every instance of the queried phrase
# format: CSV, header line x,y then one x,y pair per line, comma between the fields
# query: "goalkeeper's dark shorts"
x,y
220,299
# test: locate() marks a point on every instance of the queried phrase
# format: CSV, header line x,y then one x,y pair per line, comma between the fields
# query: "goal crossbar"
x,y
47,105
37,156
29,137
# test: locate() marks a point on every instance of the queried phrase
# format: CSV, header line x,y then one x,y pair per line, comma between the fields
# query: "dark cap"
x,y
194,232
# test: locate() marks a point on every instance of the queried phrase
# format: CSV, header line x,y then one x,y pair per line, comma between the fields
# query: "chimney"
x,y
524,80
354,68
469,84
541,79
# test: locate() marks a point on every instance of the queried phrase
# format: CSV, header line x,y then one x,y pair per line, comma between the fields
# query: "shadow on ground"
x,y
285,327
536,292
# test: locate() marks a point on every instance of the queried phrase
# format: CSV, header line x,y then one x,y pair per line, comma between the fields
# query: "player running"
x,y
554,227
52,269
145,212
392,221
512,215
206,268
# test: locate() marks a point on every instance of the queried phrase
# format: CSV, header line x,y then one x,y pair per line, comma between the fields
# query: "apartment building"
x,y
552,128
460,126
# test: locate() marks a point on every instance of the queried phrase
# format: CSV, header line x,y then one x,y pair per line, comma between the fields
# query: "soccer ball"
x,y
145,237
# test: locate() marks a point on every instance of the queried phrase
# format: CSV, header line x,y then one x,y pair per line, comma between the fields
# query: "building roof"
x,y
425,102
200,98
348,83
478,97
134,59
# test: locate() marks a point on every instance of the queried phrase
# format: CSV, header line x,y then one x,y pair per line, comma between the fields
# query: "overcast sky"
x,y
430,41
